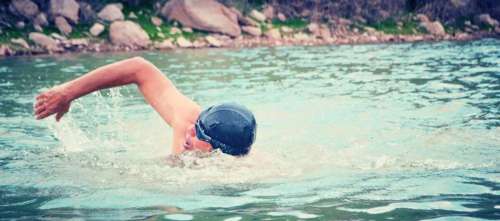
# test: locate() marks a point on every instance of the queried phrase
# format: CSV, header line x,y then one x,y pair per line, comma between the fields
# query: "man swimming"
x,y
229,127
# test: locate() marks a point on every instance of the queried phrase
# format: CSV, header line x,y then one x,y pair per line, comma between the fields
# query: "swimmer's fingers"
x,y
44,114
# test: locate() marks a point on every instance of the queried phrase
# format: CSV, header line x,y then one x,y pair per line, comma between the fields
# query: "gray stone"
x,y
5,50
434,28
422,18
268,12
24,8
175,30
187,29
44,41
20,25
212,41
165,44
313,28
281,17
257,16
132,15
66,8
273,34
41,20
286,30
21,42
254,31
207,15
111,12
128,33
184,43
96,29
62,25
156,21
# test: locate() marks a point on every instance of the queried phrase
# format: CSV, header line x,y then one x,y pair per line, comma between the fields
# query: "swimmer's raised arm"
x,y
157,89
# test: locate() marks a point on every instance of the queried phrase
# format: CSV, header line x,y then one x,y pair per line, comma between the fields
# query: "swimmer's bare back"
x,y
177,110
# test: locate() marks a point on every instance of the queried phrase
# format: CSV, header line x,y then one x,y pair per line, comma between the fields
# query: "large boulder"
x,y
128,33
66,8
24,8
111,12
63,25
434,28
207,15
448,10
44,41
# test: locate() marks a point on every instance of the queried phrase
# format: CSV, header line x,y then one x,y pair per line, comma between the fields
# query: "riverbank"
x,y
79,26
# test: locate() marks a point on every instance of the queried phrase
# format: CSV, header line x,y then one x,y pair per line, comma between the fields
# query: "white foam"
x,y
178,217
296,213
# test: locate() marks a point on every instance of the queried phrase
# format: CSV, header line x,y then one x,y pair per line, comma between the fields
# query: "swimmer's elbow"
x,y
146,71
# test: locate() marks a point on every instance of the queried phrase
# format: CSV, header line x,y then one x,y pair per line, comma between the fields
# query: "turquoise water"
x,y
368,132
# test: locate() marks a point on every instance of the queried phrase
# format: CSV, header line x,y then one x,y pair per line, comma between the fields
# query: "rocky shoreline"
x,y
206,23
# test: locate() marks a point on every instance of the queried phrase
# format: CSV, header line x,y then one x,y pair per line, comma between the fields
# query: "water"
x,y
369,132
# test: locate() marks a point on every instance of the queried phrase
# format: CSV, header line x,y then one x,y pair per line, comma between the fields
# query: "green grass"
x,y
390,26
10,33
297,24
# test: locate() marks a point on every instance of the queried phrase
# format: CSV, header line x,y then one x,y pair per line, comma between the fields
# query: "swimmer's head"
x,y
229,127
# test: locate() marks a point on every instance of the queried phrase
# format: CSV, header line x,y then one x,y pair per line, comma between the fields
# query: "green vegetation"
x,y
297,24
406,26
10,33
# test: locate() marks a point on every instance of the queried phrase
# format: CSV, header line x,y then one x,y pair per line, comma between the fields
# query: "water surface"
x,y
367,132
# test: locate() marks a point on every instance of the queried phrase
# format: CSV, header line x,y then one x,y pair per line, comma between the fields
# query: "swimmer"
x,y
228,127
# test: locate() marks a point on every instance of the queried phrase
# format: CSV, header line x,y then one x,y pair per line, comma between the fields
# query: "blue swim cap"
x,y
229,127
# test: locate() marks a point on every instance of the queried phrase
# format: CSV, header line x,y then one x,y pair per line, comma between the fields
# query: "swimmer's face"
x,y
193,143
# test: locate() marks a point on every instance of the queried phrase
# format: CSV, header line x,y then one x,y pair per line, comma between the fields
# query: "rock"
x,y
301,36
254,31
111,12
58,37
286,30
199,43
156,21
96,29
273,34
325,34
21,42
44,41
76,43
187,29
268,12
132,15
184,43
66,8
212,41
257,16
128,33
41,20
369,29
24,8
5,50
497,30
62,25
281,17
344,22
20,25
38,28
165,44
175,30
87,13
422,18
313,28
434,28
207,15
486,19
467,23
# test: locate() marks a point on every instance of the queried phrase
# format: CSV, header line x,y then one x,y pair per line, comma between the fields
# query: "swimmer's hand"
x,y
54,101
